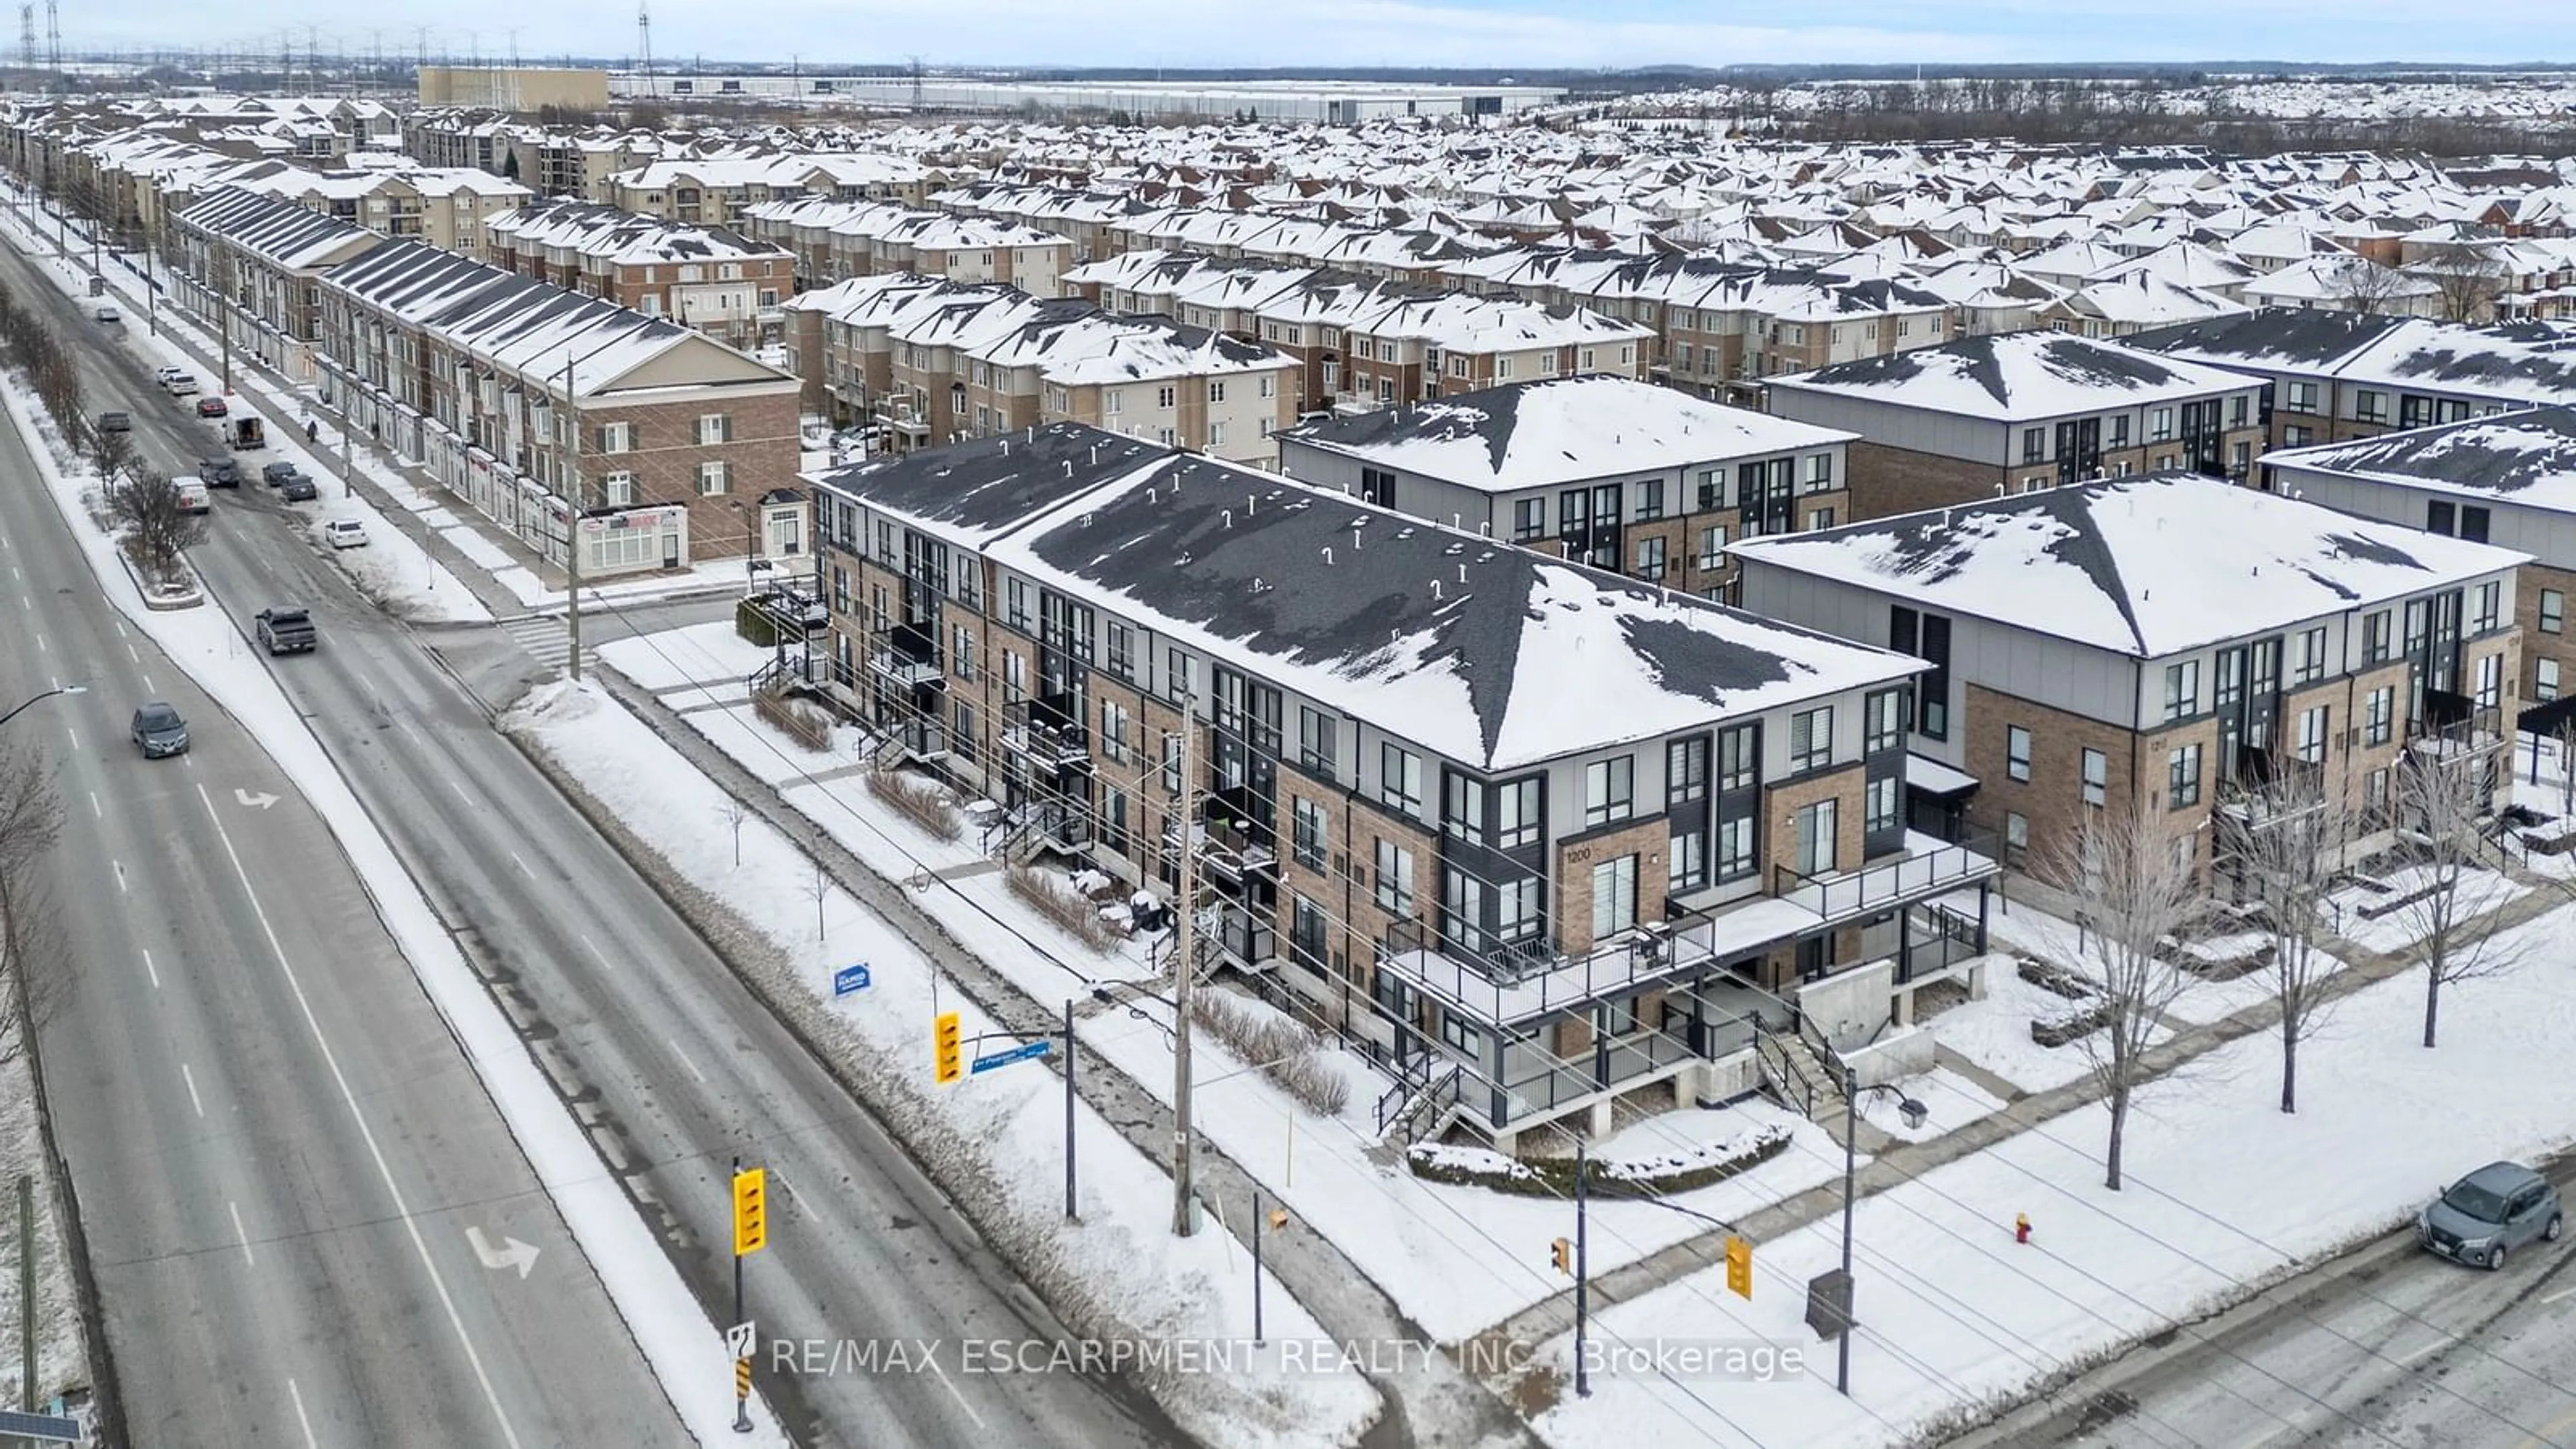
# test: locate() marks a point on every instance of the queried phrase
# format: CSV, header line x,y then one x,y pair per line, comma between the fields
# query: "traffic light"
x,y
1739,1266
750,1211
947,1049
1562,1250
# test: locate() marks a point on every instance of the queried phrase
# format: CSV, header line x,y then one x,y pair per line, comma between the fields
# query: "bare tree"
x,y
31,819
2467,280
2369,288
159,526
2135,888
2281,842
735,811
110,451
2444,792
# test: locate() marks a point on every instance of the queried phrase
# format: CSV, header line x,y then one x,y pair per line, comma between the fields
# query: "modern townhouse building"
x,y
1148,377
1541,837
1416,348
710,278
836,341
540,406
717,191
2154,642
1982,416
1624,476
836,240
2333,376
2508,480
251,266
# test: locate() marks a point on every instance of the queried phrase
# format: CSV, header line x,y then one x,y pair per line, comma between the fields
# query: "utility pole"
x,y
1069,1214
1842,1341
572,548
1582,1267
1184,966
27,1291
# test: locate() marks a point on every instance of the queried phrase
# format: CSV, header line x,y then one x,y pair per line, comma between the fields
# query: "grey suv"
x,y
2499,1207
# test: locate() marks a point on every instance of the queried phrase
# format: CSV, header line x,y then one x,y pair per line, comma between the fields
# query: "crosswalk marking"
x,y
545,640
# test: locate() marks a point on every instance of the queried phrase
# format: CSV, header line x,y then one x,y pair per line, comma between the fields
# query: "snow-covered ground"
x,y
2479,891
61,1364
676,1336
2223,1190
1122,1253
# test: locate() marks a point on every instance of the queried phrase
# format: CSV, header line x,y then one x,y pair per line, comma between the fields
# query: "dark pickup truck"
x,y
284,630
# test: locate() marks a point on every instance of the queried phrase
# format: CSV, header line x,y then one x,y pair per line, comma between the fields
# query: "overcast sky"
x,y
1363,32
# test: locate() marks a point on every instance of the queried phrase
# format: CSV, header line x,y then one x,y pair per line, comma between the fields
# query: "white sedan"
x,y
345,533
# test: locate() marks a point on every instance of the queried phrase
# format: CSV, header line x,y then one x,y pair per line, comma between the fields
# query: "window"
x,y
2182,689
713,477
1163,396
2119,432
1819,519
2379,715
1820,472
620,489
2160,422
2312,657
1394,885
1609,788
2312,735
1614,896
1015,603
1122,651
616,437
1180,677
1462,806
2553,611
1811,740
1686,770
2096,777
2490,608
2017,752
2490,681
2034,444
1216,390
2374,637
1813,853
1306,833
2016,837
2544,681
1712,547
1650,500
1516,814
1650,559
965,737
1880,799
2370,406
1687,856
1883,722
1015,679
1316,741
1739,758
2301,397
2473,523
1113,731
1516,910
2438,517
962,652
714,428
1927,637
1529,519
1735,856
2182,777
1455,1030
1400,779
1171,762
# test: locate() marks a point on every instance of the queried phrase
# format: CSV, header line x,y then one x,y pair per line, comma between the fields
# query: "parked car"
x,y
345,533
108,314
211,407
276,473
184,385
168,375
285,629
298,489
2483,1216
115,423
193,497
158,731
219,473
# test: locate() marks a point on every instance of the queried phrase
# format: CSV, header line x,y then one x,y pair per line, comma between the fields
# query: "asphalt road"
x,y
676,1066
281,1155
2387,1346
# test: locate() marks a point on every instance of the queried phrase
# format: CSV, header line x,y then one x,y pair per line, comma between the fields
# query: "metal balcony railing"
x,y
1927,866
1043,737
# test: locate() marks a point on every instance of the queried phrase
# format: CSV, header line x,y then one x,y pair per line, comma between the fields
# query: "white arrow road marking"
x,y
260,801
511,1254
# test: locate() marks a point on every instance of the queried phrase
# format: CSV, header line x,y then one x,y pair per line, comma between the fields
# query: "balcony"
x,y
1231,853
906,655
1038,731
1928,867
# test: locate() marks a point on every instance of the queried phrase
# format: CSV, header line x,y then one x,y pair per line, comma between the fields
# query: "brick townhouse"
x,y
251,267
2329,377
1622,475
1983,416
838,338
1363,726
2155,642
1409,349
711,278
836,240
2508,480
534,404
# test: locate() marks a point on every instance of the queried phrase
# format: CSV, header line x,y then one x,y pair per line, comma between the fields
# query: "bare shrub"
x,y
921,802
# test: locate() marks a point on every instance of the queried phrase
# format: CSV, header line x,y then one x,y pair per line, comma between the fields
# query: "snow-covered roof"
x,y
1483,653
2526,458
2014,377
2144,567
1559,430
286,234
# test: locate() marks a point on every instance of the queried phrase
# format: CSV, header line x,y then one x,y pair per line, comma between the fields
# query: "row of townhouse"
x,y
833,241
721,191
536,405
2329,377
716,280
1546,835
928,361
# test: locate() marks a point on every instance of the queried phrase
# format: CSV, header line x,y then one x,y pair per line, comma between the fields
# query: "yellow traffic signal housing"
x,y
1562,1250
1739,1267
947,1048
1278,1219
750,1211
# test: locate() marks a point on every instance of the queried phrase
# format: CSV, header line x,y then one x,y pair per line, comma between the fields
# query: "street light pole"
x,y
1582,1268
48,694
1842,1341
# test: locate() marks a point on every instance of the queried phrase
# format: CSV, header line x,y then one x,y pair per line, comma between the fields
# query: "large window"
x,y
2312,735
1609,790
2096,777
2490,689
1400,779
2489,610
2379,717
1688,860
1813,853
2553,611
2182,689
2017,752
1614,896
2311,665
1736,852
1308,827
1517,912
2374,637
1462,806
1881,799
1315,741
1686,770
1811,739
2182,777
1883,722
2544,681
1394,886
1516,814
1739,758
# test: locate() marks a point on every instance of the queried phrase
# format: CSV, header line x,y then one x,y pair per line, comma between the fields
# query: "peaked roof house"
x,y
1981,416
2153,642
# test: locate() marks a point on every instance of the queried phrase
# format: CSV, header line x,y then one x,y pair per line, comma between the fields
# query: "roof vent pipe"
x,y
1328,558
1229,517
1435,590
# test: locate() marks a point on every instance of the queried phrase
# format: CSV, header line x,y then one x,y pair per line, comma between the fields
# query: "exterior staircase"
x,y
1796,1072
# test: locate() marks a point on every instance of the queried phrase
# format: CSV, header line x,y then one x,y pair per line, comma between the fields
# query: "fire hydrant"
x,y
2021,1227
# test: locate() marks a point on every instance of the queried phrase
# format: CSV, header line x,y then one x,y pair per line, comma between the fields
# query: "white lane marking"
x,y
297,1395
595,951
460,790
147,685
331,1059
684,1061
2427,1351
2554,1297
193,1099
120,627
151,970
120,875
242,1233
95,813
130,654
522,865
414,735
42,646
75,734
961,1398
784,1186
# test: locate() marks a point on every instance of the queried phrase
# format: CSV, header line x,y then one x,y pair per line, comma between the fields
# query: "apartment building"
x,y
2508,480
2156,642
710,278
2333,376
556,413
1982,416
443,206
1621,475
252,266
1539,834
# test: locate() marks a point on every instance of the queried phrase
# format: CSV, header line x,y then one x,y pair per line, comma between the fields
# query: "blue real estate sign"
x,y
849,979
1028,1052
